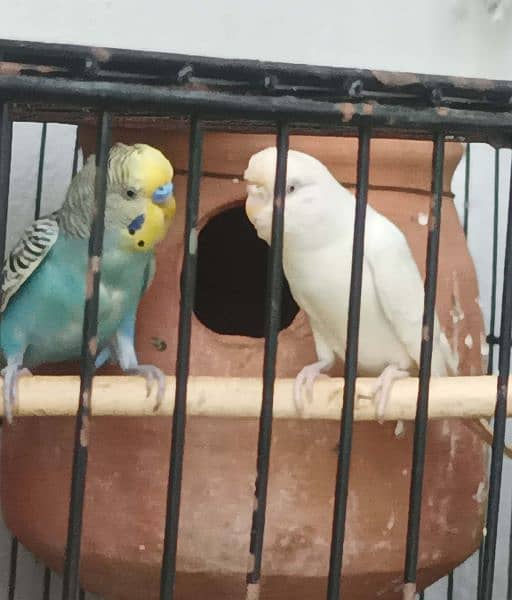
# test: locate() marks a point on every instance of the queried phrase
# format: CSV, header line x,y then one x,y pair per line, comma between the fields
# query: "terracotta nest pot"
x,y
129,457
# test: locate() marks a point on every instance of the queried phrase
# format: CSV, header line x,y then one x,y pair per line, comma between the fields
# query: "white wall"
x,y
442,36
454,37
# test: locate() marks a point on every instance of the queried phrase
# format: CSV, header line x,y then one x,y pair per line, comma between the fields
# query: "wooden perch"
x,y
450,397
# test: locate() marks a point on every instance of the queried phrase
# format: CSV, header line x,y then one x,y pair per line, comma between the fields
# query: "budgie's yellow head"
x,y
140,195
140,202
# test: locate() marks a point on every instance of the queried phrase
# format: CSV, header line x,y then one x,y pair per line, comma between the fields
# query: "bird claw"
x,y
307,376
382,389
400,429
11,374
151,374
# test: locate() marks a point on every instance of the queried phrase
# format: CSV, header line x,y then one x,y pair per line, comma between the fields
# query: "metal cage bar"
x,y
88,356
188,284
242,76
5,174
491,338
47,576
467,172
351,353
420,429
47,582
40,172
500,416
494,272
272,320
74,167
449,586
509,565
13,563
136,98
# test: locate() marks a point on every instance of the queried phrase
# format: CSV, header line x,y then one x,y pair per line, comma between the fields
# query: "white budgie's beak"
x,y
253,207
259,213
256,201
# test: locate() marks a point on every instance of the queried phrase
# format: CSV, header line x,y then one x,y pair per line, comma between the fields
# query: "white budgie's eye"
x,y
291,189
131,193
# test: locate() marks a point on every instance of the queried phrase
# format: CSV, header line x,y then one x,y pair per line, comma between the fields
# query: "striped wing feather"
x,y
35,243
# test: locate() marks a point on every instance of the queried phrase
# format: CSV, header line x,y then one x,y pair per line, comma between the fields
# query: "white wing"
x,y
33,246
400,290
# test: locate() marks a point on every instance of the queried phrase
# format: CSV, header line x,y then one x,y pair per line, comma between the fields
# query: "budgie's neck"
x,y
76,214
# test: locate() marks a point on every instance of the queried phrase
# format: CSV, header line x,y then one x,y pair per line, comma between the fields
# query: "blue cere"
x,y
162,193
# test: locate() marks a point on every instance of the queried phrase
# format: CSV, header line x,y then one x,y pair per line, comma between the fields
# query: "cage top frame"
x,y
64,83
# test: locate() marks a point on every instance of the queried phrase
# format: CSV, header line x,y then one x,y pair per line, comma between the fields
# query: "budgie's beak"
x,y
164,198
254,204
169,209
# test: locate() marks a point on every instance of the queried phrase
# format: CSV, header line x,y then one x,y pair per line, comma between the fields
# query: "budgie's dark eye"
x,y
130,193
291,188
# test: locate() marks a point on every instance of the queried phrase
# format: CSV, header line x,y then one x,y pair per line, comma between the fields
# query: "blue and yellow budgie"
x,y
43,292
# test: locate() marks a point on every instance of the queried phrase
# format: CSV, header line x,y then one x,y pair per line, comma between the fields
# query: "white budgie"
x,y
317,256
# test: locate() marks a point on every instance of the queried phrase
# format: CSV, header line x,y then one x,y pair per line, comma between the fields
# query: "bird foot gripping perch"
x,y
151,374
307,376
382,390
11,374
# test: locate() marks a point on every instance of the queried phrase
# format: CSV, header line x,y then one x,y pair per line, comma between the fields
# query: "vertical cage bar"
x,y
449,591
500,415
188,286
272,320
492,321
13,563
40,172
480,569
88,356
465,227
420,428
5,173
47,581
509,571
492,324
466,188
74,167
81,595
351,354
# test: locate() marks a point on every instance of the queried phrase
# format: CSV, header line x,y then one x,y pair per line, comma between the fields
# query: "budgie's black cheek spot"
x,y
141,244
131,231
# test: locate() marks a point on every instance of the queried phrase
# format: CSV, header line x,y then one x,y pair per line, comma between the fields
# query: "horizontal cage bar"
x,y
271,78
